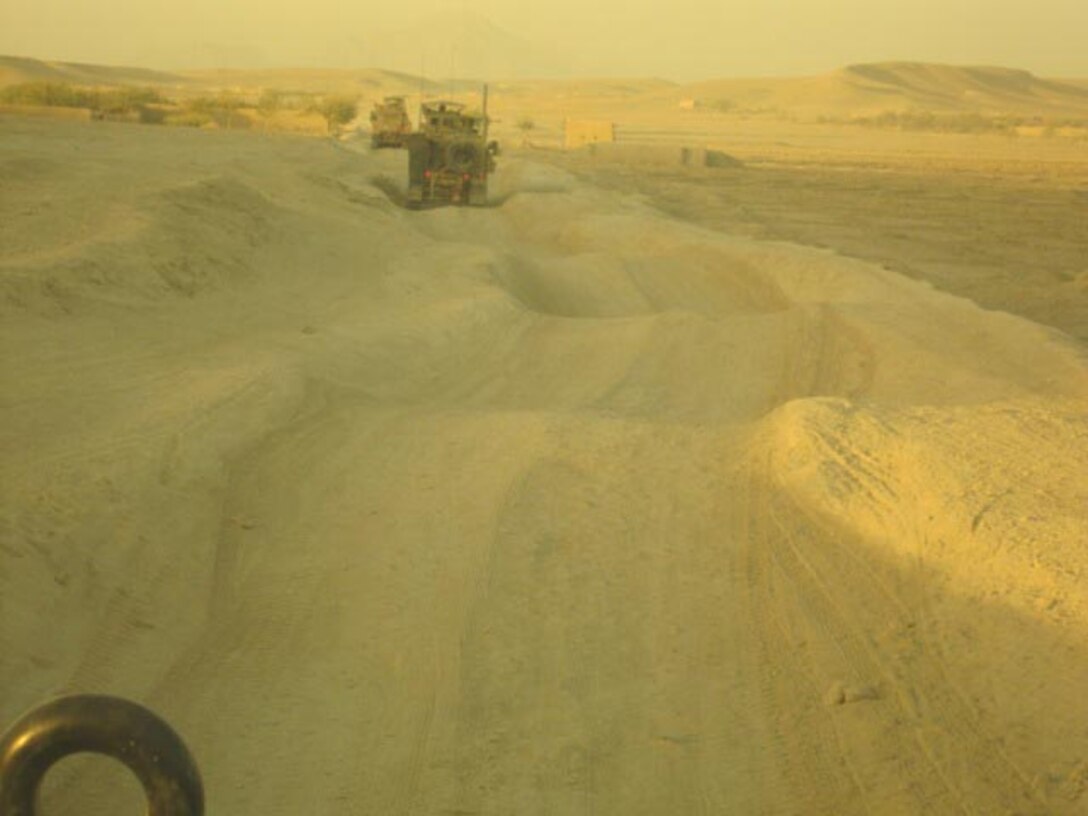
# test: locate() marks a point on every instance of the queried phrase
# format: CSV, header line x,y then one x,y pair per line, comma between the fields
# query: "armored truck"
x,y
449,157
389,123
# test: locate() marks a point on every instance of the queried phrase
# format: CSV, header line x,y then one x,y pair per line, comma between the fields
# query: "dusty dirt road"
x,y
561,506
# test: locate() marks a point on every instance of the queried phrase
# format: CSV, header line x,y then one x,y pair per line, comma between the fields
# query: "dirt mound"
x,y
939,495
184,241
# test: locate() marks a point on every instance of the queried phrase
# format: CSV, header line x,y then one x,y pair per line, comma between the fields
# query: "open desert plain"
x,y
755,483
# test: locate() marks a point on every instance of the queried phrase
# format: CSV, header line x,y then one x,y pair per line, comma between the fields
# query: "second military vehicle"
x,y
389,123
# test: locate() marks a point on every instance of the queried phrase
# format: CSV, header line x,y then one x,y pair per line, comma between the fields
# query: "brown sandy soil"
x,y
1004,231
560,506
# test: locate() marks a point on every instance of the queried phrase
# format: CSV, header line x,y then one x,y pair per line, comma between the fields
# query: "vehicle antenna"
x,y
485,113
422,74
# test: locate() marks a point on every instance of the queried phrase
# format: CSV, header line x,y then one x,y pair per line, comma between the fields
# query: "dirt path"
x,y
561,506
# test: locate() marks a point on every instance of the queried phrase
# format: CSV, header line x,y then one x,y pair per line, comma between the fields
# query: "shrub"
x,y
337,111
270,103
127,100
187,119
53,94
109,102
221,109
152,115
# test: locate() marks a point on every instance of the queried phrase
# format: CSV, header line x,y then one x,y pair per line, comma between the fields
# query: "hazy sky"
x,y
675,39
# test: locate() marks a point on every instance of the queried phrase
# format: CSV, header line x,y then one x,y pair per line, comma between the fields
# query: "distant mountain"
x,y
898,87
464,45
14,70
489,54
975,88
365,81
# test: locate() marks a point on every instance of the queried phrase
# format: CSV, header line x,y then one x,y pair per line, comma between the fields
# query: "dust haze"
x,y
685,40
723,449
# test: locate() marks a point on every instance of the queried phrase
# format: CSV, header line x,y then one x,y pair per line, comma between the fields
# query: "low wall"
x,y
581,132
666,155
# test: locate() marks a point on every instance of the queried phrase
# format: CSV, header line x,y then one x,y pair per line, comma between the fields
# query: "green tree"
x,y
219,109
337,111
269,104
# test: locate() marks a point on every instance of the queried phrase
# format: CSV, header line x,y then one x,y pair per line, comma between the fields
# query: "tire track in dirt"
x,y
829,639
486,541
834,597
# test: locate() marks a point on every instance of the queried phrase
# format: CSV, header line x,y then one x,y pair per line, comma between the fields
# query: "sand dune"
x,y
562,505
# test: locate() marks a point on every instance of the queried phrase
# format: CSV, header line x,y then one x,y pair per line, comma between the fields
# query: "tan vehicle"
x,y
389,123
449,157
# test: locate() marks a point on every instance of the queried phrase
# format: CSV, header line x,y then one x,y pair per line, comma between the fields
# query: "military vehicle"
x,y
389,123
449,156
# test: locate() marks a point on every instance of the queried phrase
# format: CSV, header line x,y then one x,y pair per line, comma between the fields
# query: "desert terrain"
x,y
759,488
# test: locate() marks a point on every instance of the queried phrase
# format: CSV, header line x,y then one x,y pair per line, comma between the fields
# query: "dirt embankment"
x,y
1011,242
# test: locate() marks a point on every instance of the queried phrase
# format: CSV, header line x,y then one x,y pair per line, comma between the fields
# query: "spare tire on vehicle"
x,y
462,155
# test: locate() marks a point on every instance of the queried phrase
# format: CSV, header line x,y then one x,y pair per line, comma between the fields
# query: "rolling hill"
x,y
854,91
16,70
899,86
